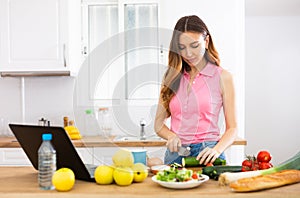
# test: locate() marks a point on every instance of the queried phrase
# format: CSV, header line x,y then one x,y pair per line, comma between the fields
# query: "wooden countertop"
x,y
98,141
21,182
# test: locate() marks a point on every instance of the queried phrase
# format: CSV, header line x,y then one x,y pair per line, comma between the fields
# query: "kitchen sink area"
x,y
136,138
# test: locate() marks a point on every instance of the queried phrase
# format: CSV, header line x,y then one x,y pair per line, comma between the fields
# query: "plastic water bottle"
x,y
47,163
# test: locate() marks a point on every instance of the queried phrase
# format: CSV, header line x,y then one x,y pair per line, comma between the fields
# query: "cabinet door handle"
x,y
64,55
84,51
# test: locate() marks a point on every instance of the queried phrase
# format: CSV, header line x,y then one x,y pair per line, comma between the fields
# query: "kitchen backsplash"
x,y
52,99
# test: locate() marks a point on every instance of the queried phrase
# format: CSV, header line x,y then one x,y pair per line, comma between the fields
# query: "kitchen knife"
x,y
184,151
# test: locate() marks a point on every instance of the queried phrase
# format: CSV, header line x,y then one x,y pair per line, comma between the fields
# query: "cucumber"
x,y
214,171
192,162
219,161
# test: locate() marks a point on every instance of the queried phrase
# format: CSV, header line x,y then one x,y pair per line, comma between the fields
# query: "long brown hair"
x,y
176,64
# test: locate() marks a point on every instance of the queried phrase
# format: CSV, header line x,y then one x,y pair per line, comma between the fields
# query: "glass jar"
x,y
105,122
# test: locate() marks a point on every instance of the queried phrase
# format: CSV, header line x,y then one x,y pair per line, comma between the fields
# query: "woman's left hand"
x,y
208,154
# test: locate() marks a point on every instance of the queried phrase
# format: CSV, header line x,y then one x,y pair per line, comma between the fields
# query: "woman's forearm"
x,y
165,132
226,140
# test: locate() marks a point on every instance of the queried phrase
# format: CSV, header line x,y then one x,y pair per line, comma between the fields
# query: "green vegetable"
x,y
219,161
174,174
214,171
292,163
192,161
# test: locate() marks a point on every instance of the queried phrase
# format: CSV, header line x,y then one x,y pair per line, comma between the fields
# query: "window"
x,y
120,42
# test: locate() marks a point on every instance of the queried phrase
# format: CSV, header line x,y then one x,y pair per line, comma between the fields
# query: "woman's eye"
x,y
195,45
181,47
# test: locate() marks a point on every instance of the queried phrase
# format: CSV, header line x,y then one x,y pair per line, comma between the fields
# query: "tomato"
x,y
209,164
245,168
247,163
265,165
264,156
195,176
255,166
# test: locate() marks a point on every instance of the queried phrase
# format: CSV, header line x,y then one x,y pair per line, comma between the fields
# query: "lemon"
x,y
140,172
123,176
63,179
104,174
123,157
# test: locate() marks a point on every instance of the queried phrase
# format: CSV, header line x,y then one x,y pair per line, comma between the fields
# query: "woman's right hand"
x,y
173,143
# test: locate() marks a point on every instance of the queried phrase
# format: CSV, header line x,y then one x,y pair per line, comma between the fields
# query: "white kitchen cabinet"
x,y
103,155
13,156
156,152
16,156
34,35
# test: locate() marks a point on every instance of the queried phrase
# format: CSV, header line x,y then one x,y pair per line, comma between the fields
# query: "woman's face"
x,y
192,47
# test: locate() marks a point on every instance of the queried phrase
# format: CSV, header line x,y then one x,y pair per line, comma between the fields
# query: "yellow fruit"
x,y
123,176
63,179
75,136
73,132
123,157
104,174
140,172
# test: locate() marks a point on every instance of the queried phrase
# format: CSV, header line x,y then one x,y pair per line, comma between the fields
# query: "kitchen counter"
x,y
21,182
98,141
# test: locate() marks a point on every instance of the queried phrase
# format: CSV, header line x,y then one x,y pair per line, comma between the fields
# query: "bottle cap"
x,y
89,111
103,109
47,136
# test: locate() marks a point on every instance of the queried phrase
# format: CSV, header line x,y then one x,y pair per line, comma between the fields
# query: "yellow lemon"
x,y
123,176
140,172
63,179
104,174
123,157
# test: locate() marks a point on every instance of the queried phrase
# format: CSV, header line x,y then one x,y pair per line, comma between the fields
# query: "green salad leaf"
x,y
174,175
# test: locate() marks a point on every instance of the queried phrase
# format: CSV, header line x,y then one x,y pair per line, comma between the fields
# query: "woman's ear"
x,y
206,41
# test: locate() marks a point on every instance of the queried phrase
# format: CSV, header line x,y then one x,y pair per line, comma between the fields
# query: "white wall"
x,y
272,80
48,97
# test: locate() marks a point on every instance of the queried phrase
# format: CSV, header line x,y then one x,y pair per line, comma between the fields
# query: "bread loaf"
x,y
266,181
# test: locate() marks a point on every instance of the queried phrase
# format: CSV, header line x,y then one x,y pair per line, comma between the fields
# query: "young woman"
x,y
194,90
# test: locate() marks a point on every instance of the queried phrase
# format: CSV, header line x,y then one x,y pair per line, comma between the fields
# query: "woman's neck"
x,y
196,69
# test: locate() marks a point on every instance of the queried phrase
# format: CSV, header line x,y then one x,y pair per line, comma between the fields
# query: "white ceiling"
x,y
272,7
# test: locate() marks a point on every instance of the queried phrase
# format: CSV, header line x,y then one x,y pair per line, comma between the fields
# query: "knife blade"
x,y
184,151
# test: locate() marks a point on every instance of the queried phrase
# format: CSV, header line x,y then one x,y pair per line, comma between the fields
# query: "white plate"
x,y
181,185
157,168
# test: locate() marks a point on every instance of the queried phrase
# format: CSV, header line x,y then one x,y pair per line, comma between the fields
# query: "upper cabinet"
x,y
34,36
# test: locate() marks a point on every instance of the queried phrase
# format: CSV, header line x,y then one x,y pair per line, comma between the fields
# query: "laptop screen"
x,y
30,139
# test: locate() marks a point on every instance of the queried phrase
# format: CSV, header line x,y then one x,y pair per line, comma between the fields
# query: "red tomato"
x,y
247,163
264,156
209,164
245,168
195,176
255,166
265,165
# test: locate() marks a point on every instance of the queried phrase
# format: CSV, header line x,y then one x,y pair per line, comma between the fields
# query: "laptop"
x,y
30,139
